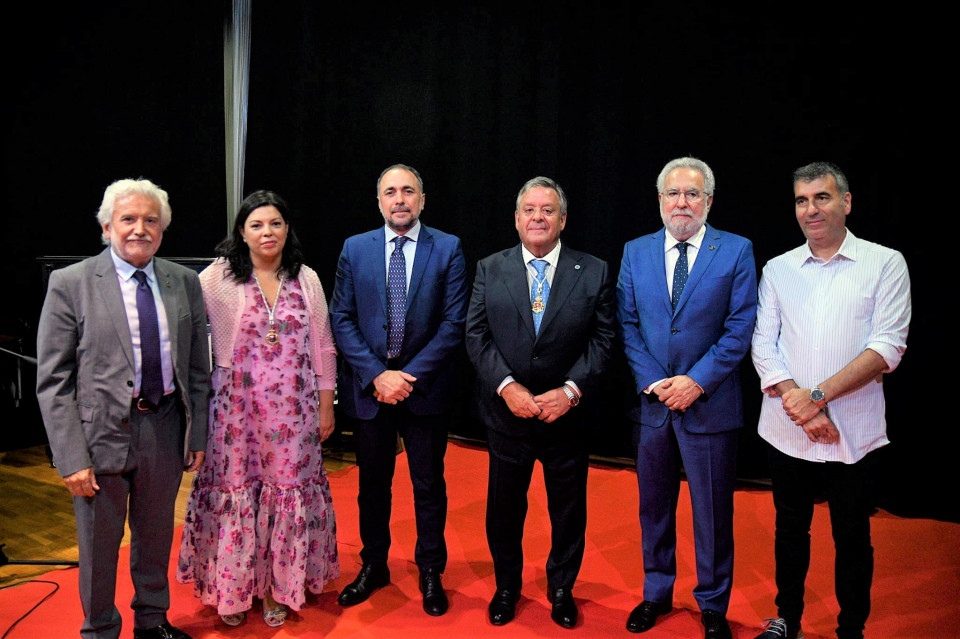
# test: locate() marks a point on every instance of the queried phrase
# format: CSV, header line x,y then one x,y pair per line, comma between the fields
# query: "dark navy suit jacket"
x,y
576,338
705,338
433,333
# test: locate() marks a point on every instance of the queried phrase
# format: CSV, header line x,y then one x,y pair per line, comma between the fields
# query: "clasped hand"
x,y
798,405
806,414
678,393
547,407
391,387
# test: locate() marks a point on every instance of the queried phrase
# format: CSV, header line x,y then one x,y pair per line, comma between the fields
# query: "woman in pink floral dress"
x,y
260,520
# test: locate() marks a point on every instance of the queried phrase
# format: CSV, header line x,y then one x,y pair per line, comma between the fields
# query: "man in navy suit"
x,y
687,302
398,313
540,330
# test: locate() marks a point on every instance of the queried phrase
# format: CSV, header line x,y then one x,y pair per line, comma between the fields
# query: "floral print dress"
x,y
260,513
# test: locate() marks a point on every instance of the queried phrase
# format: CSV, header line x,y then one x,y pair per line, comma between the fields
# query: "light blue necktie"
x,y
539,292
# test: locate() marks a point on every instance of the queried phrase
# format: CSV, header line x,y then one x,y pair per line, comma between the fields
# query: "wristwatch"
x,y
817,396
573,397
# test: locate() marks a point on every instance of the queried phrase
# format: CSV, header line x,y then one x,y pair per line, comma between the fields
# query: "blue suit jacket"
x,y
707,336
433,333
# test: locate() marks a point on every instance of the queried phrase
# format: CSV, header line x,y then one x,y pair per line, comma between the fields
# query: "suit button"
x,y
674,331
125,420
129,383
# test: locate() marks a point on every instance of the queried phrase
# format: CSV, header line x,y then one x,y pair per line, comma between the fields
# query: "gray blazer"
x,y
85,364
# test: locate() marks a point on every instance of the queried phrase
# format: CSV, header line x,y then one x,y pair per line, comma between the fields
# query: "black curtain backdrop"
x,y
480,97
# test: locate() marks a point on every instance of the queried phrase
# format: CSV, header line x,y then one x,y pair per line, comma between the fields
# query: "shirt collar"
x,y
669,241
126,270
413,234
552,257
847,250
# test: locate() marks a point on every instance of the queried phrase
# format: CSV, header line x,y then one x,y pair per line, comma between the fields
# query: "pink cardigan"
x,y
223,296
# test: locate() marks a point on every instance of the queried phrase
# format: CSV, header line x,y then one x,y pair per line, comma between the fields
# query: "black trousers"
x,y
565,463
848,491
425,440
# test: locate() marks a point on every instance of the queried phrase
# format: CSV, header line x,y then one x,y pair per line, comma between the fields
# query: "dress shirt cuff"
x,y
890,353
506,380
770,379
649,389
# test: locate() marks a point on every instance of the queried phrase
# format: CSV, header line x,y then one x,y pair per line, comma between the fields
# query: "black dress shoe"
x,y
503,606
434,598
564,611
163,631
644,616
371,578
715,625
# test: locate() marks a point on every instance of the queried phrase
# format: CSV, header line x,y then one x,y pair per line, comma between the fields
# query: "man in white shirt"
x,y
833,318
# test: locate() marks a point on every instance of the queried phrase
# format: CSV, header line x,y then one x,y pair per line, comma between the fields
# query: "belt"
x,y
145,406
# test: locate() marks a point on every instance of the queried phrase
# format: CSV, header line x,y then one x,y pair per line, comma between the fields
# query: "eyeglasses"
x,y
694,196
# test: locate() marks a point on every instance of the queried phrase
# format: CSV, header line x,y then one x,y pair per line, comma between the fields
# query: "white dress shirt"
x,y
671,255
551,258
409,248
816,316
128,288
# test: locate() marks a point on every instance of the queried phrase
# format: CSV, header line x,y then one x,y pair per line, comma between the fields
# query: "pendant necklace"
x,y
537,305
272,335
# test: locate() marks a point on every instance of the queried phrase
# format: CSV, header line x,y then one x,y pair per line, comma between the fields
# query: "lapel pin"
x,y
577,267
712,247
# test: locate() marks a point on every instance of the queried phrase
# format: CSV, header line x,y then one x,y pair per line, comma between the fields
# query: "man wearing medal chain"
x,y
397,314
540,330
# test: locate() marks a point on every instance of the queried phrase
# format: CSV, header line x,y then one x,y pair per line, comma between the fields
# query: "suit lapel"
x,y
169,296
420,259
659,271
708,251
515,281
564,281
109,288
379,263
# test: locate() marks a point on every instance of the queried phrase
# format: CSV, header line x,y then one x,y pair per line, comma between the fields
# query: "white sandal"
x,y
275,616
234,620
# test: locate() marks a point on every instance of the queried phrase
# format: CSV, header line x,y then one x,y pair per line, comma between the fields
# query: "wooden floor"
x,y
36,511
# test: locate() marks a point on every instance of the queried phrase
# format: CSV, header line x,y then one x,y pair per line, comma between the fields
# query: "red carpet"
x,y
916,591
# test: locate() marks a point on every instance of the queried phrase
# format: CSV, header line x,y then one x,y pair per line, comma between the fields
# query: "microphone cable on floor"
x,y
56,587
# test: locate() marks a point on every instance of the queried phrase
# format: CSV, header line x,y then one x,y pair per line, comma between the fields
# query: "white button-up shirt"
x,y
816,316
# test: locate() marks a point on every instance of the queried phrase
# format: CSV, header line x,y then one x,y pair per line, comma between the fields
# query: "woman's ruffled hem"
x,y
239,541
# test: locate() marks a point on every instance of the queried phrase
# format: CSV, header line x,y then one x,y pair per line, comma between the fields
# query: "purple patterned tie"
x,y
396,297
151,373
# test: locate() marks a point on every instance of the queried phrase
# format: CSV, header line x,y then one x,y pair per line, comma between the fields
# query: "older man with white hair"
x,y
686,301
123,383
